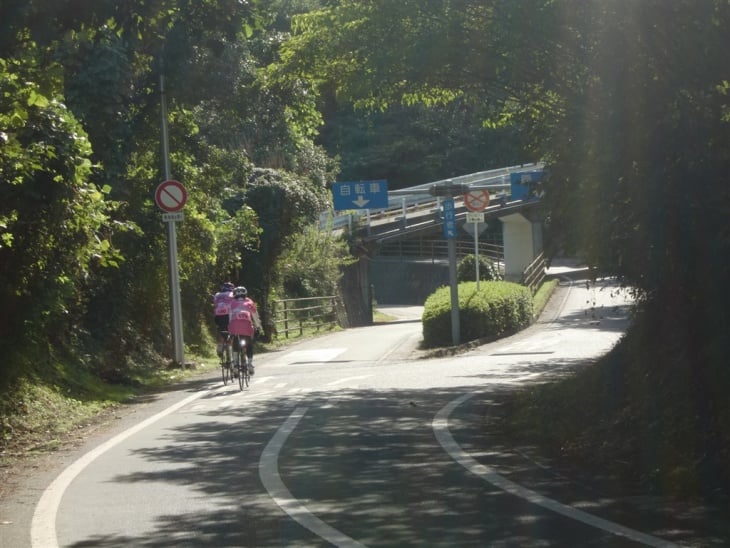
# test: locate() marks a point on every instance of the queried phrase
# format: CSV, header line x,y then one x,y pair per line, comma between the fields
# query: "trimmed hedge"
x,y
466,269
497,309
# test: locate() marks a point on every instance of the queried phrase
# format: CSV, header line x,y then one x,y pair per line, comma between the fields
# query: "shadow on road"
x,y
367,463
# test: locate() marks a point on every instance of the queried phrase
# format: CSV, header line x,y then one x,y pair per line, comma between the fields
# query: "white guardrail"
x,y
418,197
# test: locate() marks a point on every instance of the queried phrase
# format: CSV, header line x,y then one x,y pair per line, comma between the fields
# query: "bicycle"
x,y
241,361
226,368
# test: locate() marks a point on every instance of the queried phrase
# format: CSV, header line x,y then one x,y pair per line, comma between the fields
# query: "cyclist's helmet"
x,y
228,286
240,292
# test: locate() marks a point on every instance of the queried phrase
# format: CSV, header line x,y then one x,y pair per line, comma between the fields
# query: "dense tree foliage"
x,y
84,248
413,144
627,102
54,223
391,107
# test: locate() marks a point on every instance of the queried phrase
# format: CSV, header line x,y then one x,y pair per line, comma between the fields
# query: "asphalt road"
x,y
350,439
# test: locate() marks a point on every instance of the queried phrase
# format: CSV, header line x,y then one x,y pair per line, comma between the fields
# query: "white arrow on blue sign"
x,y
360,195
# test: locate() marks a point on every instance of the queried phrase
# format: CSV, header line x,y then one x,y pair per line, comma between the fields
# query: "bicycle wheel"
x,y
241,368
246,371
228,373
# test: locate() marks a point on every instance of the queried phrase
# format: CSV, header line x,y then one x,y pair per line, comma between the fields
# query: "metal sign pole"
x,y
453,281
448,191
476,251
176,306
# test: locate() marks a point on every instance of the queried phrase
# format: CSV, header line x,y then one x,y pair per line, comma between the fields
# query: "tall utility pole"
x,y
176,306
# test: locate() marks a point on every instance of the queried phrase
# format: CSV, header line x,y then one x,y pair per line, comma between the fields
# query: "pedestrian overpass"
x,y
403,248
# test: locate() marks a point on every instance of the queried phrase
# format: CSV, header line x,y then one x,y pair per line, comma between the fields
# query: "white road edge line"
x,y
269,474
43,525
348,379
440,425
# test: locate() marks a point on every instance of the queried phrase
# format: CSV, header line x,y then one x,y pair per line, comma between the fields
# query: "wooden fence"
x,y
534,274
308,313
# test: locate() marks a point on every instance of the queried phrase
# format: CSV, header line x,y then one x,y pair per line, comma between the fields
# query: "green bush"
x,y
466,269
497,309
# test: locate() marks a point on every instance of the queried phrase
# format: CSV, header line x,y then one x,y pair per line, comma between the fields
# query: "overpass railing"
x,y
406,201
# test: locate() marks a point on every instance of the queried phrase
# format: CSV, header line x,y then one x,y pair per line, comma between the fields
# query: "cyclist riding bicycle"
x,y
222,306
244,320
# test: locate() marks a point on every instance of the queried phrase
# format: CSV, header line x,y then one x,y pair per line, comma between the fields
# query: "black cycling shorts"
x,y
221,322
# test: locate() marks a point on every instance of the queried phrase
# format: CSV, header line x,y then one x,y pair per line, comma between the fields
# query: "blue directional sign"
x,y
520,183
449,218
360,195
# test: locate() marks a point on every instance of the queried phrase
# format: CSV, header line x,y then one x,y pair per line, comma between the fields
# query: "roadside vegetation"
x,y
39,414
497,309
638,421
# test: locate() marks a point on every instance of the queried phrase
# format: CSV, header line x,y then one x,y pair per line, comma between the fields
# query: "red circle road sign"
x,y
171,196
476,200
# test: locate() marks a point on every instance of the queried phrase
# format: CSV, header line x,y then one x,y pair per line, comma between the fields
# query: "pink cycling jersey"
x,y
240,319
222,302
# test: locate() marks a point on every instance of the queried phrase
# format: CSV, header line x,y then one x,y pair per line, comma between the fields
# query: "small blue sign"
x,y
449,218
521,183
360,195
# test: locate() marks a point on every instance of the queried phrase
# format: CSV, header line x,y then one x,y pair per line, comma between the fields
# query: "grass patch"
x,y
42,409
382,317
542,296
38,417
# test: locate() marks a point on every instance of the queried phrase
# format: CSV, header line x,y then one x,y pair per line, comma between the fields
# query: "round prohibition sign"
x,y
171,196
476,200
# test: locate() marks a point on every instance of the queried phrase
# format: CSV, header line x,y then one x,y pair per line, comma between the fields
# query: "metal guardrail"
x,y
296,315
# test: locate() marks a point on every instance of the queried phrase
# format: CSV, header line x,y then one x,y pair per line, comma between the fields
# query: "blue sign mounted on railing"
x,y
360,195
521,183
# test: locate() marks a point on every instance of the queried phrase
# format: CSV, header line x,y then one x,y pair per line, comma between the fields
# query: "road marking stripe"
x,y
309,357
440,427
348,379
261,380
269,474
43,525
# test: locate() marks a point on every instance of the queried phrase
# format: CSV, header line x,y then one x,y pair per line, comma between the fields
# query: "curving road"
x,y
351,440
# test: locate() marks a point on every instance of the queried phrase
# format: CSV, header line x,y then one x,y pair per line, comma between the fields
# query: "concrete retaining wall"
x,y
395,281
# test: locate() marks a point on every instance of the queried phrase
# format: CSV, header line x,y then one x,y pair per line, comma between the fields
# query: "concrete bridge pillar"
x,y
522,244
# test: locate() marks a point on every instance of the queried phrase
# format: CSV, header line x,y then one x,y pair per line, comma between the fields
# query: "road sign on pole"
x,y
474,217
360,195
449,218
171,196
172,217
476,200
522,183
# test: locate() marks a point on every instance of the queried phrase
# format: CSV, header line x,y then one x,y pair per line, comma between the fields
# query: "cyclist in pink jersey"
x,y
222,307
244,320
